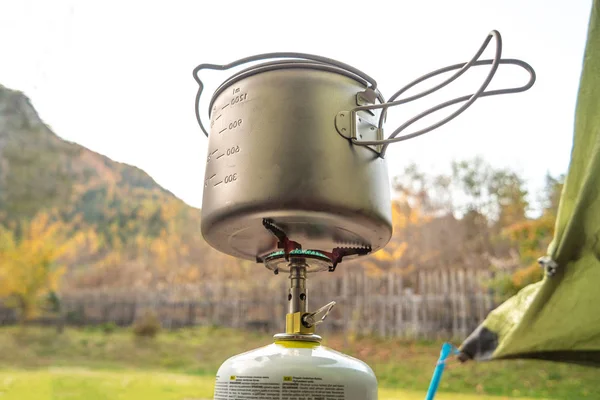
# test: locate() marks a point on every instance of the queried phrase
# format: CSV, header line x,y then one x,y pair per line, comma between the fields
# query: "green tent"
x,y
559,317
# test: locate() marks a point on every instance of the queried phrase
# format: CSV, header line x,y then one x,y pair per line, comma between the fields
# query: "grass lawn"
x,y
91,364
73,383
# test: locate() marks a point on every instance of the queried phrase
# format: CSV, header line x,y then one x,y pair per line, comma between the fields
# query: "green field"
x,y
91,364
73,383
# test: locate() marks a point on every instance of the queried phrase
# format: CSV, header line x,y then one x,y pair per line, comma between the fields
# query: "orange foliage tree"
x,y
32,262
406,214
531,236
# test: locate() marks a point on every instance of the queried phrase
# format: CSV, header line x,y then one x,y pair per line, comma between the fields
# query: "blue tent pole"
x,y
447,349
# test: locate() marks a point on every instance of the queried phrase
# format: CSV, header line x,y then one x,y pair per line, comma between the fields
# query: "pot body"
x,y
292,370
274,152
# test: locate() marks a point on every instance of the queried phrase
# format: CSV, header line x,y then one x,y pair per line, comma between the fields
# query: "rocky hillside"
x,y
144,235
40,170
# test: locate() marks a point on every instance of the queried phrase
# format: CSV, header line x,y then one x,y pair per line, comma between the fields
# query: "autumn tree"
x,y
415,204
32,262
509,196
464,216
389,258
531,236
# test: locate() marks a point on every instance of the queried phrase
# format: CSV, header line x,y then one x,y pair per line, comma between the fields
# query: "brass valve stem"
x,y
297,293
298,302
298,320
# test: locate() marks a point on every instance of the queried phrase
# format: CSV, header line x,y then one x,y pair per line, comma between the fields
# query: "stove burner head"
x,y
315,260
292,251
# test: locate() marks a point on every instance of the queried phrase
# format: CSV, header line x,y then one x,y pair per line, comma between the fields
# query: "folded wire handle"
x,y
469,99
384,143
264,56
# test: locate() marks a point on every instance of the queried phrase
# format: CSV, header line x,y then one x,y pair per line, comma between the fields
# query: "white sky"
x,y
116,76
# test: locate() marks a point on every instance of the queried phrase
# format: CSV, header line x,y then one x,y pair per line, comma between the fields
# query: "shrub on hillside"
x,y
108,327
148,325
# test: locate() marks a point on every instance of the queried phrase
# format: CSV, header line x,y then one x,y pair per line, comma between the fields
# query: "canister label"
x,y
237,387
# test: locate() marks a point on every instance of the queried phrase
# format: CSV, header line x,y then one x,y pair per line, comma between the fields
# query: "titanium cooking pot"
x,y
297,144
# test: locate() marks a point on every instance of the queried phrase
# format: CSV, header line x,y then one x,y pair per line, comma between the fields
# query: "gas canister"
x,y
291,369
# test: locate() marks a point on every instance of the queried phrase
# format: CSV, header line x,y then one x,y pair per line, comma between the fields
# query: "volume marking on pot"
x,y
206,180
210,155
235,124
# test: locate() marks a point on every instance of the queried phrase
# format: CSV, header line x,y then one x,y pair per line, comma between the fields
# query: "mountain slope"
x,y
39,170
143,234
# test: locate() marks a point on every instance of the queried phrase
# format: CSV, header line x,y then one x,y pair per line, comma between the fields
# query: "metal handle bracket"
x,y
359,127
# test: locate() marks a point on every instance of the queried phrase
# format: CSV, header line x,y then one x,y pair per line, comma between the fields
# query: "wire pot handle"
x,y
264,56
468,99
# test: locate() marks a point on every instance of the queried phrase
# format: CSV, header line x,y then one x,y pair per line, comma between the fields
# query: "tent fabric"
x,y
558,318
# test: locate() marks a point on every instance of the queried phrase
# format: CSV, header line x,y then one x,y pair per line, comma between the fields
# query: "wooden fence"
x,y
440,304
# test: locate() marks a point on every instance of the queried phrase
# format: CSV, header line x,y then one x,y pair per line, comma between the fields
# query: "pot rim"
x,y
287,64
